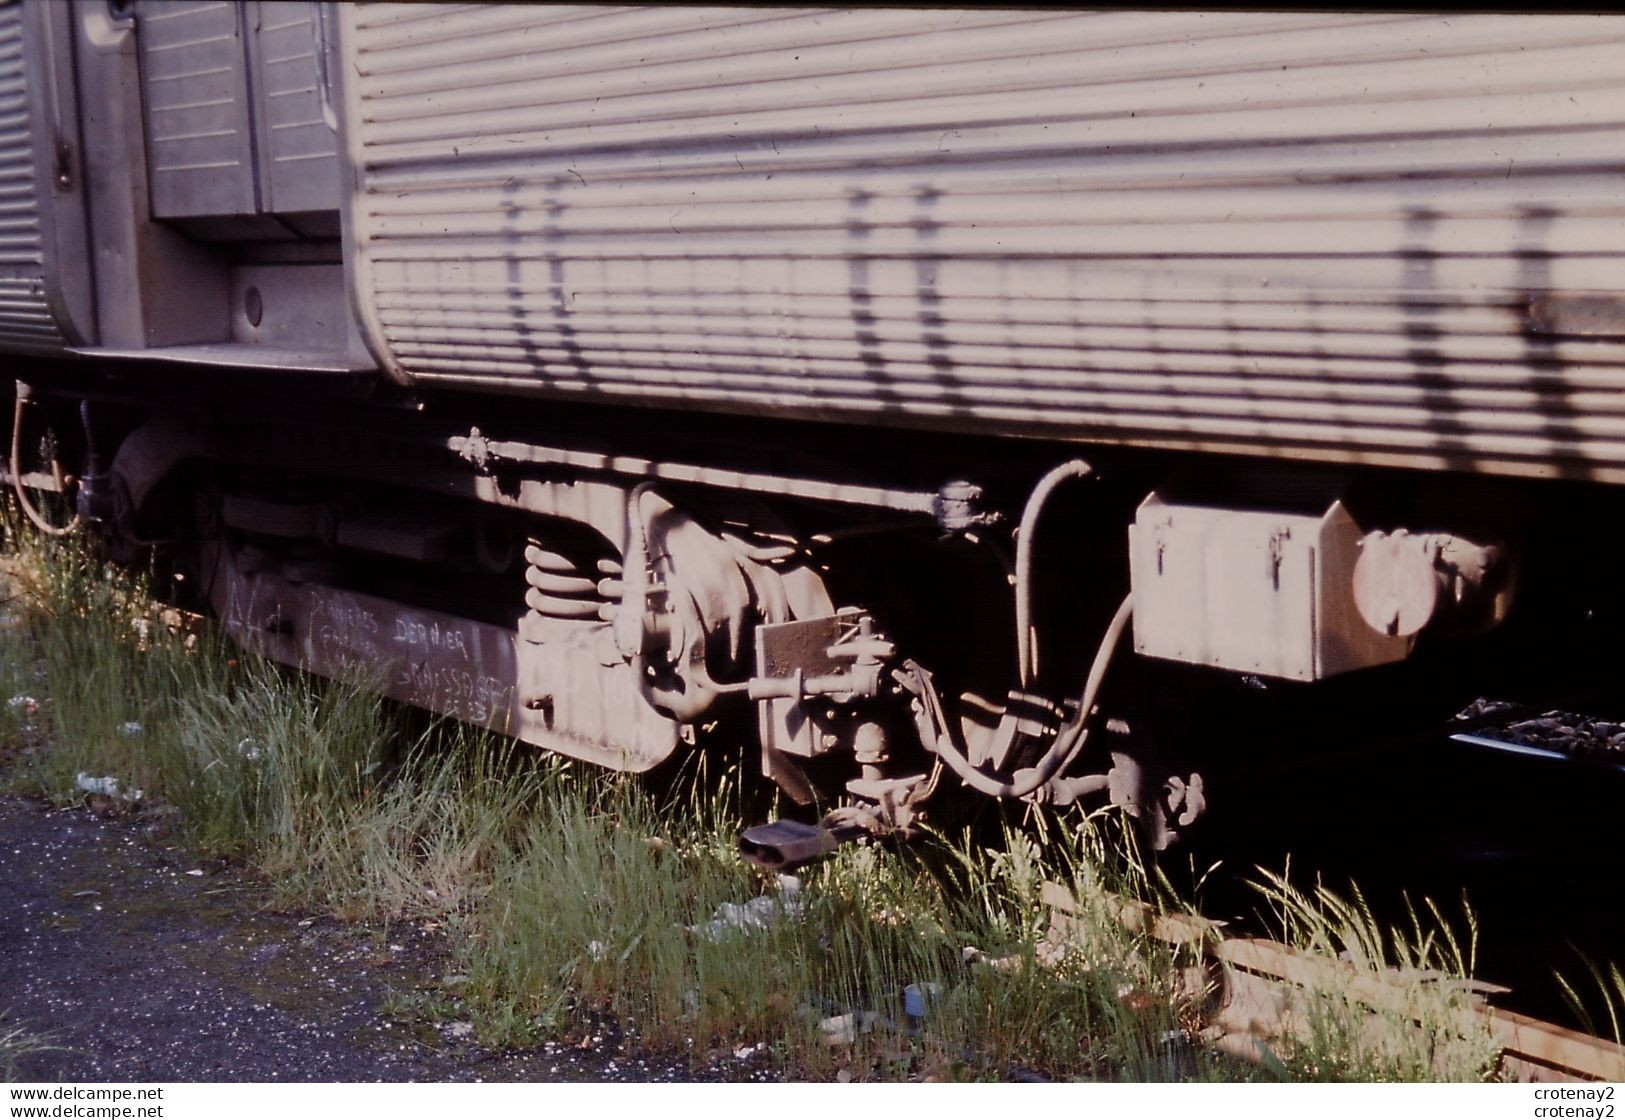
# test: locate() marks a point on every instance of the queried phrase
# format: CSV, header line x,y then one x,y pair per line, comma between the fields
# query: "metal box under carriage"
x,y
656,364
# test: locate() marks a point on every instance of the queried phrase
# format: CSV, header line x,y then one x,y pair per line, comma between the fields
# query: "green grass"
x,y
1422,1027
1598,1002
17,1046
573,897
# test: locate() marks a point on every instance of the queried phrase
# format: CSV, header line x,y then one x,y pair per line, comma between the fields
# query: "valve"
x,y
865,648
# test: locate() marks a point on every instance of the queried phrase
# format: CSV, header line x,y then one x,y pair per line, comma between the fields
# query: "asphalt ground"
x,y
137,963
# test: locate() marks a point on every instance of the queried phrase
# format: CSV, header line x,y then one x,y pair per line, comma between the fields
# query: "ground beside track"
x,y
136,969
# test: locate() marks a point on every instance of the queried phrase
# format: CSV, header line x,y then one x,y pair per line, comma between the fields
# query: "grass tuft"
x,y
1600,1009
1403,1009
17,1047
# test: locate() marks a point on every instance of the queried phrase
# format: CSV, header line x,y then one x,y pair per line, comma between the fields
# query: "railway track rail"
x,y
1254,993
1556,733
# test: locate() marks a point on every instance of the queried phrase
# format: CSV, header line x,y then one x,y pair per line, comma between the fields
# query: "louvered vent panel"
x,y
25,316
194,86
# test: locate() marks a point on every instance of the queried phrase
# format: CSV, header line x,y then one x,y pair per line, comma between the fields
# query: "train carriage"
x,y
925,393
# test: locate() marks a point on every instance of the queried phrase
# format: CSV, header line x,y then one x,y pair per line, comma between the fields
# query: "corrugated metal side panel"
x,y
194,95
1307,234
299,150
25,315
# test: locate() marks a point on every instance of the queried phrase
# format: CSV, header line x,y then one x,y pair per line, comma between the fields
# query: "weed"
x,y
17,1046
1606,995
1403,1011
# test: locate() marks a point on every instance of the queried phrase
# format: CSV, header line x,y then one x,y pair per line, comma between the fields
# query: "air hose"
x,y
1026,656
937,731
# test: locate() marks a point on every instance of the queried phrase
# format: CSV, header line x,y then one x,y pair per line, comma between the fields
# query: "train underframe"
x,y
898,618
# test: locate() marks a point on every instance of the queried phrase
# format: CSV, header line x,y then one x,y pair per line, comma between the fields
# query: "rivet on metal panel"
x,y
62,164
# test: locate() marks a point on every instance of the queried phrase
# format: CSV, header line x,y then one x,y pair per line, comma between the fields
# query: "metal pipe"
x,y
1067,744
1025,655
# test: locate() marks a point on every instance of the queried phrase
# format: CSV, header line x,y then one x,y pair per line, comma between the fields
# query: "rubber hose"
x,y
1076,468
23,500
1067,744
